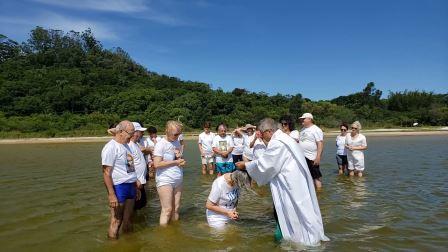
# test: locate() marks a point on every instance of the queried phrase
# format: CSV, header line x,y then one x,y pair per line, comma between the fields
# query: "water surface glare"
x,y
53,199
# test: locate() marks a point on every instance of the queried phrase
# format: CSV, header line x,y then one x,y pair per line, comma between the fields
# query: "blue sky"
x,y
321,49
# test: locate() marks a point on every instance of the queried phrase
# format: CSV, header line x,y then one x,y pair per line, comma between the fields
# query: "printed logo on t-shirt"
x,y
232,197
129,163
223,145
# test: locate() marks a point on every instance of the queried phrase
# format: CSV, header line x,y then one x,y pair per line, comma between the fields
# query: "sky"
x,y
321,49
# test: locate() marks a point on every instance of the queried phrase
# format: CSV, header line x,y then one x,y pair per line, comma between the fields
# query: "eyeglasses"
x,y
284,123
129,133
343,129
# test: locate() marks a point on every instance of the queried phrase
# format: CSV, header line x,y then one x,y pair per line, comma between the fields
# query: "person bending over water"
x,y
223,199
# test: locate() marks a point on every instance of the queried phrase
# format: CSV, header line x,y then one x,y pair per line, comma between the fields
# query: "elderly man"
x,y
120,178
140,163
311,140
283,165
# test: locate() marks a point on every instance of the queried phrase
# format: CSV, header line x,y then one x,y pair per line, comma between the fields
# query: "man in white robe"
x,y
283,165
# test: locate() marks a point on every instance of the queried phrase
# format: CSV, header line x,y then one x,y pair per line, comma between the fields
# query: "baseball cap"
x,y
138,127
306,115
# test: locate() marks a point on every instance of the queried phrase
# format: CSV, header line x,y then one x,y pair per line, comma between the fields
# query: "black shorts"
x,y
237,158
341,159
314,169
141,203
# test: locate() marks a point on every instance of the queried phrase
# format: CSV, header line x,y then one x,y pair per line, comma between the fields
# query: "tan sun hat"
x,y
249,126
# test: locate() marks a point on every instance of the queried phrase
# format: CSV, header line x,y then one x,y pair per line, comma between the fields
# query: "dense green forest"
x,y
59,83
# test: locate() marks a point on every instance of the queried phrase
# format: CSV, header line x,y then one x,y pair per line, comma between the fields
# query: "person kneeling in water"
x,y
223,199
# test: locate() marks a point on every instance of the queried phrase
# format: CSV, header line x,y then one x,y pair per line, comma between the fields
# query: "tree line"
x,y
67,83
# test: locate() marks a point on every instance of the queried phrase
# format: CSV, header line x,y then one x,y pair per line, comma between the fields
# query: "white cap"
x,y
306,115
138,127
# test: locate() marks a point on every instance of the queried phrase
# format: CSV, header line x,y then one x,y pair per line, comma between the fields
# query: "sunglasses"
x,y
343,129
354,128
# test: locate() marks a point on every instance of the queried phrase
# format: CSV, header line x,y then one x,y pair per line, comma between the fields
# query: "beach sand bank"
x,y
194,136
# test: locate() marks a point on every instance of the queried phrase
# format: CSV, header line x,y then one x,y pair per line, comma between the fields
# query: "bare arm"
x,y
232,214
107,176
320,148
159,163
200,149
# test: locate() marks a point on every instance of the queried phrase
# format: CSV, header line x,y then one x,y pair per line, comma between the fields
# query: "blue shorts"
x,y
125,191
225,167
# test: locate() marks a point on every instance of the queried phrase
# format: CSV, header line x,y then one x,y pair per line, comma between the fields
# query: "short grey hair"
x,y
122,125
357,124
268,124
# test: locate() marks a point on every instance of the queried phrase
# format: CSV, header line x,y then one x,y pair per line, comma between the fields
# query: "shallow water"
x,y
53,199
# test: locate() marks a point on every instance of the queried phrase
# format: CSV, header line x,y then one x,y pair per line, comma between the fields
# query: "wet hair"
x,y
223,124
267,124
287,119
241,179
357,124
343,124
152,130
207,125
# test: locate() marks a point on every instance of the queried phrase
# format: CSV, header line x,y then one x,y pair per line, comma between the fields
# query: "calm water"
x,y
53,199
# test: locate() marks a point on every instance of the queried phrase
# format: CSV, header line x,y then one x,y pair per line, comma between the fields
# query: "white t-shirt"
x,y
308,140
224,196
340,145
206,140
119,157
139,162
259,148
238,147
248,152
147,142
223,143
359,140
166,150
295,135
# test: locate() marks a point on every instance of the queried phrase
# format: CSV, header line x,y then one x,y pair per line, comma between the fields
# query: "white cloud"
x,y
139,9
123,6
55,21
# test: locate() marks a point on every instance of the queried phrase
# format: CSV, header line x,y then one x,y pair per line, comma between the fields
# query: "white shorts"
x,y
175,183
207,160
355,163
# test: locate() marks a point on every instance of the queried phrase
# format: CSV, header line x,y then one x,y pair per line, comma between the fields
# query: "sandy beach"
x,y
194,136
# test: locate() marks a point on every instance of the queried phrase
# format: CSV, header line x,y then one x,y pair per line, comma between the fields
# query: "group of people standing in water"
x,y
273,153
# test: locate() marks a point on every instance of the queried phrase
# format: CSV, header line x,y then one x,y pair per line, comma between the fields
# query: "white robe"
x,y
283,165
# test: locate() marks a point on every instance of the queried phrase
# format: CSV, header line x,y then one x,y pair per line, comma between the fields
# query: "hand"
x,y
241,165
181,162
224,154
113,202
233,214
138,195
258,134
139,185
316,162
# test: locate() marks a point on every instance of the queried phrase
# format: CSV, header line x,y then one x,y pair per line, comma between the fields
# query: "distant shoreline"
x,y
193,136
